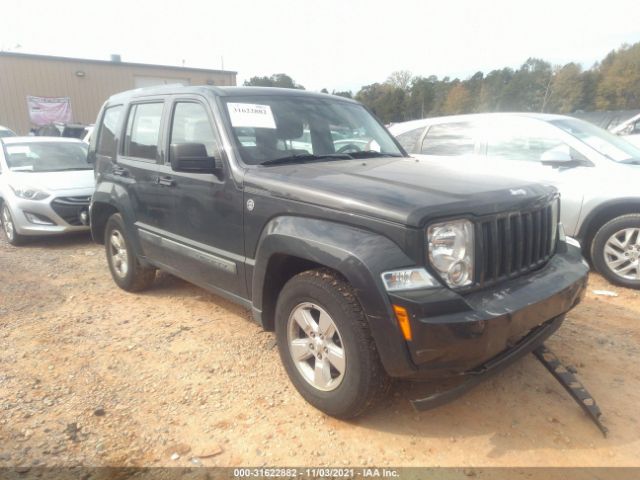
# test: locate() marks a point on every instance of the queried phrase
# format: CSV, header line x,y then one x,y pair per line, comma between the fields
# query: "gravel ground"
x,y
91,375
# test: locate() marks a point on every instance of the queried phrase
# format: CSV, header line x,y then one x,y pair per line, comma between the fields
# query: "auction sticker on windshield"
x,y
251,115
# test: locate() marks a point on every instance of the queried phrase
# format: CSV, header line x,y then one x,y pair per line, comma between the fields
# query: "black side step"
x,y
571,384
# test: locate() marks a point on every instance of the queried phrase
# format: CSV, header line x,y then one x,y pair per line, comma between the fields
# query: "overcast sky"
x,y
333,44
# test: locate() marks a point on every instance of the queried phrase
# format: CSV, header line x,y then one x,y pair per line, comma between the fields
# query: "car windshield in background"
x,y
275,129
610,145
47,156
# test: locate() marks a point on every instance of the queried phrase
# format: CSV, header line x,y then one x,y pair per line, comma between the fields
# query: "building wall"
x,y
22,75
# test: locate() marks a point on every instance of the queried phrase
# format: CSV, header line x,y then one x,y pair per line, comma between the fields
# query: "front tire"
x,y
9,227
125,268
615,250
325,344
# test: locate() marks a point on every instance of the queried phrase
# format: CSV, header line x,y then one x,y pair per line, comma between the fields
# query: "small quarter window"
x,y
107,136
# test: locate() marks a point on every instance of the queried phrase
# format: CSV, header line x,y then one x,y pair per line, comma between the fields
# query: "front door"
x,y
205,237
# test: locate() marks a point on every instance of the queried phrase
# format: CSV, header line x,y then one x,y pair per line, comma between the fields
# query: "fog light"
x,y
38,219
84,217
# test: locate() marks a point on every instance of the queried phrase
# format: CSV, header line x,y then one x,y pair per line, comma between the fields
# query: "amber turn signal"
x,y
402,316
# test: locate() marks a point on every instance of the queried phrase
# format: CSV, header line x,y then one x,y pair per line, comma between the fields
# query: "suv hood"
x,y
52,181
401,190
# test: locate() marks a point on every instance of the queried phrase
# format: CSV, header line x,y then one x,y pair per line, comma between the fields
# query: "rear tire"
x,y
336,367
615,250
125,268
9,227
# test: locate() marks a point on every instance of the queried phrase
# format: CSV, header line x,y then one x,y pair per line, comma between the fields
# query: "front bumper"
x,y
58,209
457,334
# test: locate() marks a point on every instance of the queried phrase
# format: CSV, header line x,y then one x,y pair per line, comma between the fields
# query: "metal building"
x,y
87,83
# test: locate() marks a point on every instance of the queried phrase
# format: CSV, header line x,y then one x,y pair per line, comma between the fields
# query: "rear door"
x,y
138,167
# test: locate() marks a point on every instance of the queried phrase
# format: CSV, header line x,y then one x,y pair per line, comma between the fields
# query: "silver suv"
x,y
45,186
596,172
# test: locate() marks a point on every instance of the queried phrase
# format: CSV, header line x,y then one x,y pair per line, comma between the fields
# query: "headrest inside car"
x,y
288,127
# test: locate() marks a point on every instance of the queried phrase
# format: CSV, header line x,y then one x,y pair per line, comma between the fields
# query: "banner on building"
x,y
46,110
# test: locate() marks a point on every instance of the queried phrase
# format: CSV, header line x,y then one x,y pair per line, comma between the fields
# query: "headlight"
x,y
451,248
408,279
29,193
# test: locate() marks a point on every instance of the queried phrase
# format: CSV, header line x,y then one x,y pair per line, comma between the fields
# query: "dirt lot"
x,y
92,375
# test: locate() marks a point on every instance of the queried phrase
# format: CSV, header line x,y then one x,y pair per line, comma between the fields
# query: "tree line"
x,y
537,86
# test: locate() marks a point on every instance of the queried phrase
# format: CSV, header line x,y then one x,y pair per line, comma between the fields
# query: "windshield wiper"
x,y
630,161
303,158
373,153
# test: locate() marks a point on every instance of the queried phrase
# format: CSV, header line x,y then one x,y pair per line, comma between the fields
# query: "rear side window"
x,y
191,125
143,131
449,139
409,139
107,135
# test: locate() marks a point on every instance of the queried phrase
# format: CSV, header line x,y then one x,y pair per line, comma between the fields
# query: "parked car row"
x,y
368,264
45,186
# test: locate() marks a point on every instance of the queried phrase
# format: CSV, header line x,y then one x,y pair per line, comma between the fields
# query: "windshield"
x,y
47,156
612,146
271,128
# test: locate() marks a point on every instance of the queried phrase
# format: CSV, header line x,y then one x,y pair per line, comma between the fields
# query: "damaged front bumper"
x,y
464,335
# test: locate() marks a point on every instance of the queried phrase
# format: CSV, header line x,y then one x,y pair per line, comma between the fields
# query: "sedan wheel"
x,y
622,253
615,250
7,223
9,227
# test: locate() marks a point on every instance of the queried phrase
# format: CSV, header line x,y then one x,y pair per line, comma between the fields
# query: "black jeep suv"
x,y
367,263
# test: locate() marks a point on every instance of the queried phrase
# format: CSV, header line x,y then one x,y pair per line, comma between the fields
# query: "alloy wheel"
x,y
7,223
622,253
316,346
119,256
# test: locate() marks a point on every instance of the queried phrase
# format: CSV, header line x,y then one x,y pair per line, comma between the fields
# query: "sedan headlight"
x,y
29,193
451,251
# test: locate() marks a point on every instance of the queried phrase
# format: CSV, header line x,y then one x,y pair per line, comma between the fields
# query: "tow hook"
x,y
571,384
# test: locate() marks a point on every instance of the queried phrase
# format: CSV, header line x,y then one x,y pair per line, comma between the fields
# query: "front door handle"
x,y
121,172
166,181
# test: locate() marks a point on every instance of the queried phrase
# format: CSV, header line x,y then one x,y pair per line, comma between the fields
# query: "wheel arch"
x,y
601,215
291,245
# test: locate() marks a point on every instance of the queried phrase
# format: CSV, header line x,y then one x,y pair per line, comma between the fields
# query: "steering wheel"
x,y
349,147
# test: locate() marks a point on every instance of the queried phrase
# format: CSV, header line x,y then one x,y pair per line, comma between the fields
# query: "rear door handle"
x,y
166,181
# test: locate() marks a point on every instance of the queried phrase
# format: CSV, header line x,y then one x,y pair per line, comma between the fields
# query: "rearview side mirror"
x,y
562,156
191,158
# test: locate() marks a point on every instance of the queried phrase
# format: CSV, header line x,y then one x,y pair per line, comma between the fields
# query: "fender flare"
x,y
116,196
358,255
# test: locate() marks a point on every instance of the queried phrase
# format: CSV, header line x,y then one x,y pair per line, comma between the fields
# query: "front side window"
x,y
611,146
47,156
449,139
191,124
143,131
272,127
107,135
527,140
